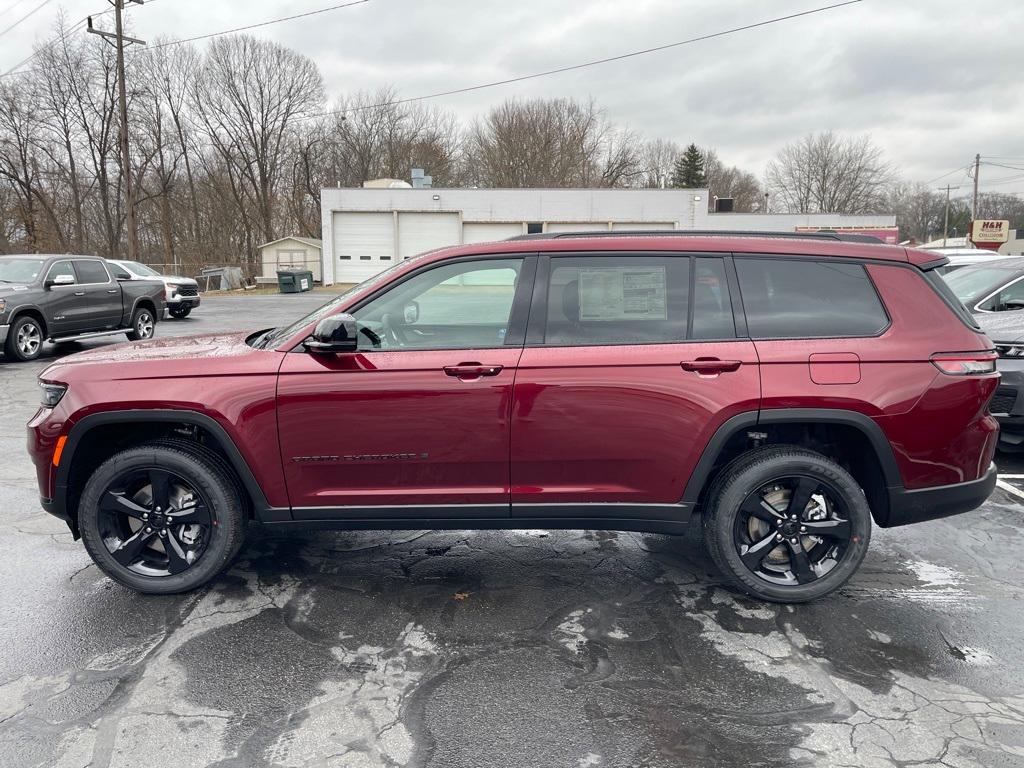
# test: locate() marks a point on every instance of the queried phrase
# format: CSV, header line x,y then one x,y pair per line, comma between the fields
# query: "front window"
x,y
21,271
463,305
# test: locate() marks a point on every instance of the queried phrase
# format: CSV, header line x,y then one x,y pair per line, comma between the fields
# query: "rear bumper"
x,y
915,506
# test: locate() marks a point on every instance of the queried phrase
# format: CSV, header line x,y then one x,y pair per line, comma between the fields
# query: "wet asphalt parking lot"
x,y
527,648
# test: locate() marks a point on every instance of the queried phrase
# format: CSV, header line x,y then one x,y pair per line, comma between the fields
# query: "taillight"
x,y
965,363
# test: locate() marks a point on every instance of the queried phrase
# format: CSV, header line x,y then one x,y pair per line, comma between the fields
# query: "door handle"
x,y
710,365
79,293
469,371
111,290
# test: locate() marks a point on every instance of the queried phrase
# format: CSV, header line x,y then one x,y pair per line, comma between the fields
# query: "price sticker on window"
x,y
623,293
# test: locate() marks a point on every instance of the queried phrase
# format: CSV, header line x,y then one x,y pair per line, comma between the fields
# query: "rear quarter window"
x,y
800,299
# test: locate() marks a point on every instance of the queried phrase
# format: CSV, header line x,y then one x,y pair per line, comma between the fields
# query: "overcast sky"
x,y
932,81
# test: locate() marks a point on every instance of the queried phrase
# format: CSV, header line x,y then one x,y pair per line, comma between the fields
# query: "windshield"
x,y
23,271
969,282
140,269
318,314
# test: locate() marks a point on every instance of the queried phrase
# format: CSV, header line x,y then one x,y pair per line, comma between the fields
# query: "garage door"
x,y
364,244
576,226
644,226
485,232
419,232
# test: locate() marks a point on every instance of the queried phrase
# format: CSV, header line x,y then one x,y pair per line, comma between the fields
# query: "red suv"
x,y
783,391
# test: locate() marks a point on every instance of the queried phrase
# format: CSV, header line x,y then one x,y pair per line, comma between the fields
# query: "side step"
x,y
82,336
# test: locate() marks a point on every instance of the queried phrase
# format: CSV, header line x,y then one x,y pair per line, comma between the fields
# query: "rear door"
x,y
102,293
632,362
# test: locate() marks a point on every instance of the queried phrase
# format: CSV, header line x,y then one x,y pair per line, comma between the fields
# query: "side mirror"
x,y
1014,304
60,280
411,313
338,333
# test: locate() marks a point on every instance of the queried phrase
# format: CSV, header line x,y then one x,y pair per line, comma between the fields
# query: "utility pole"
x,y
119,39
974,200
945,227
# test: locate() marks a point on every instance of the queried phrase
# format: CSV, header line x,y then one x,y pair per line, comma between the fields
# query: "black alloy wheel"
x,y
154,522
163,517
786,524
793,530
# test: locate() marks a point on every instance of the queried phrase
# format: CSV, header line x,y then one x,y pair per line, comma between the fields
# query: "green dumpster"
x,y
294,280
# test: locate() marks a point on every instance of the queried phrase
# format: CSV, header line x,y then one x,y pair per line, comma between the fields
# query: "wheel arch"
x,y
144,302
33,311
862,448
134,427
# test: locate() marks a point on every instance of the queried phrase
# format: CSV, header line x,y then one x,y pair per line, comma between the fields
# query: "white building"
x,y
369,229
290,253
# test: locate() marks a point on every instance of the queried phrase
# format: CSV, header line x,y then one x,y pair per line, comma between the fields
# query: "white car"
x,y
182,293
966,257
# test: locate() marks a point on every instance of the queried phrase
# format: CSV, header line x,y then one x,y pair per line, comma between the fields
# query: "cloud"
x,y
933,81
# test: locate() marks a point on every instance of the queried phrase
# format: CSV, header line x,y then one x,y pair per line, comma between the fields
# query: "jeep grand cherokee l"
x,y
785,392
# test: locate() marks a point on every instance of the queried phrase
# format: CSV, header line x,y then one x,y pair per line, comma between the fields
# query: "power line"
x,y
1001,165
27,16
593,63
950,173
11,7
261,24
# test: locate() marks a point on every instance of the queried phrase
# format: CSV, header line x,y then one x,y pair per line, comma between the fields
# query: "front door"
x,y
418,418
632,362
66,304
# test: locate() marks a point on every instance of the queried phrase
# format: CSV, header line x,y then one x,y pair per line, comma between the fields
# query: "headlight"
x,y
170,290
51,393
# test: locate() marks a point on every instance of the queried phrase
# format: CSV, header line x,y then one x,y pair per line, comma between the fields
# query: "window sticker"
x,y
623,293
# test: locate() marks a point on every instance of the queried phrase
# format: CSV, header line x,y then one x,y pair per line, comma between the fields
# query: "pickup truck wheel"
x,y
786,524
143,325
162,518
24,339
179,312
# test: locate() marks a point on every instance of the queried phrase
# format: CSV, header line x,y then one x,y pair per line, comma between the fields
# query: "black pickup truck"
x,y
67,298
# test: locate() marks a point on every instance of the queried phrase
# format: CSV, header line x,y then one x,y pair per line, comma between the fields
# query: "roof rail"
x,y
847,237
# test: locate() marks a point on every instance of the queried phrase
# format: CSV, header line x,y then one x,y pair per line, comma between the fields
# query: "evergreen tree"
x,y
688,171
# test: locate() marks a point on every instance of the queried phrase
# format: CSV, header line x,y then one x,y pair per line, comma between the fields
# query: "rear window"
x,y
800,299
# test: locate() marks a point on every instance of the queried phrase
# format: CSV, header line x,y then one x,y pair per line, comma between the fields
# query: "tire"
x,y
179,313
24,339
742,524
211,486
143,325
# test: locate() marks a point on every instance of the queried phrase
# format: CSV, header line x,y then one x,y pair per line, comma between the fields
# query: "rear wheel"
x,y
179,312
24,339
787,525
162,518
143,325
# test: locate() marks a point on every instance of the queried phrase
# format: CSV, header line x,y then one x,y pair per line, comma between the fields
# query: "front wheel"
x,y
162,518
786,524
24,339
180,312
143,325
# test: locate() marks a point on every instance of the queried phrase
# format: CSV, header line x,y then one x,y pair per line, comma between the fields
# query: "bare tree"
x,y
826,173
730,181
248,96
658,157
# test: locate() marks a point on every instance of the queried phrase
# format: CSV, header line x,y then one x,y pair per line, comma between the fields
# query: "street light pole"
x,y
122,99
945,227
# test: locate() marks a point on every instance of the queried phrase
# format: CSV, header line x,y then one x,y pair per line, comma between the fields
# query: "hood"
x,y
158,358
7,289
1002,326
177,280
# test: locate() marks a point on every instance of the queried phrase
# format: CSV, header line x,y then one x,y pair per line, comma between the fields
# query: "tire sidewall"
x,y
12,339
215,490
761,473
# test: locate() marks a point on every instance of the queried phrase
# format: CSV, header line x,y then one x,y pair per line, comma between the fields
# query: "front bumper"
x,y
183,301
922,504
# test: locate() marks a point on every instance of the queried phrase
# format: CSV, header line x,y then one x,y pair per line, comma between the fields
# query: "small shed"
x,y
291,253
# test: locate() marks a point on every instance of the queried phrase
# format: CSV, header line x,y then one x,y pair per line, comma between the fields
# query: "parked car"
x,y
784,391
181,293
966,257
68,298
994,292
